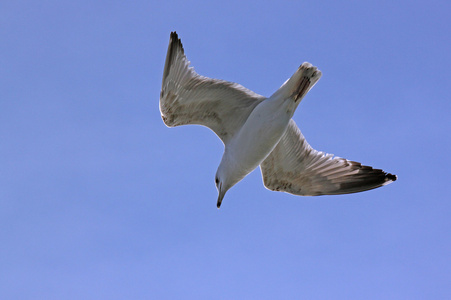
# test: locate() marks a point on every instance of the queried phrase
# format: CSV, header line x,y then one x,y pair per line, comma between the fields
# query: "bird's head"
x,y
222,189
226,177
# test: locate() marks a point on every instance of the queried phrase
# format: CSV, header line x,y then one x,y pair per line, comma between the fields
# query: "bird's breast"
x,y
259,135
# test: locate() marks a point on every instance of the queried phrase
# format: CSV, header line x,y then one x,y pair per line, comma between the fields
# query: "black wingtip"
x,y
391,177
174,36
175,46
175,42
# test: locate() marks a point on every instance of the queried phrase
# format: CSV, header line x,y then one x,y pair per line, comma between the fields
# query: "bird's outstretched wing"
x,y
188,98
296,168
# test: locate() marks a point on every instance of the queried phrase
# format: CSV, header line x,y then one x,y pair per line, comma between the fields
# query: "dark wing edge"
x,y
175,47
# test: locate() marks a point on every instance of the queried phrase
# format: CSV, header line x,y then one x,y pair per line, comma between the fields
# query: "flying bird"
x,y
259,131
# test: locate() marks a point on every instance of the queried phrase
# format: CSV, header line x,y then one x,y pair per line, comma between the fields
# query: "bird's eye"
x,y
217,180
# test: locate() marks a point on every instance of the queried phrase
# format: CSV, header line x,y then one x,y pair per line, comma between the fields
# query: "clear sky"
x,y
100,200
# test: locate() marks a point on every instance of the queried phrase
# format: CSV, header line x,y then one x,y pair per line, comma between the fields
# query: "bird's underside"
x,y
293,166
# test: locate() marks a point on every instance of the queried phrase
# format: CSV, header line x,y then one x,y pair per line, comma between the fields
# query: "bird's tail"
x,y
298,85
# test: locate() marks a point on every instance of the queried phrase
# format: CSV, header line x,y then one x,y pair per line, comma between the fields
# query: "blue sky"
x,y
100,200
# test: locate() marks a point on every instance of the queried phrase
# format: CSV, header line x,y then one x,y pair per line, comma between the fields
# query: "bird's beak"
x,y
220,197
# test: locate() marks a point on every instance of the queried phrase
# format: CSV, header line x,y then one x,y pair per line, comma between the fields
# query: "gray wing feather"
x,y
189,98
296,168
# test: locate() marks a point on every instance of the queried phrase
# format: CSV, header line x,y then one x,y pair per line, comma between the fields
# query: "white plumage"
x,y
259,131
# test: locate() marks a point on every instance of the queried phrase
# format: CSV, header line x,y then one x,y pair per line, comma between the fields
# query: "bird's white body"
x,y
265,127
256,139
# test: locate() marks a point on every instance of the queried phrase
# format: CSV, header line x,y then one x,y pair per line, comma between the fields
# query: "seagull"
x,y
259,131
